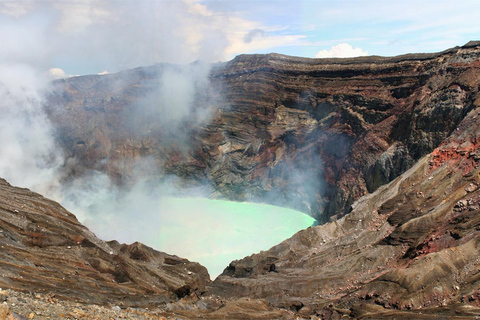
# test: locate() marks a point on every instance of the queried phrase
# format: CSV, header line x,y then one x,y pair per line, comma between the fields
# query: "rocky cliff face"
x,y
403,131
408,250
313,134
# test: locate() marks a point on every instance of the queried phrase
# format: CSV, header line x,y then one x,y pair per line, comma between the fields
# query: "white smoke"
x,y
28,154
93,36
89,37
183,93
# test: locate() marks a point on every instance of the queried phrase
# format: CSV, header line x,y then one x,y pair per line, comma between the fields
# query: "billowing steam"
x,y
182,93
91,37
28,153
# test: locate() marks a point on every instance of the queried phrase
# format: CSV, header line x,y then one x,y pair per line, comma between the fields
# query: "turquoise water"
x,y
211,232
216,232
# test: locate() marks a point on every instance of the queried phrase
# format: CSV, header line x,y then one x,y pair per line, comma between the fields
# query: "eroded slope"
x,y
45,249
409,248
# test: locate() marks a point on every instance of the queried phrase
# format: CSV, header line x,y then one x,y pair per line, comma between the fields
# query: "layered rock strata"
x,y
44,249
408,250
312,134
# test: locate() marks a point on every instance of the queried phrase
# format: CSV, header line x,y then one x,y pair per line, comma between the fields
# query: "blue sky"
x,y
378,27
92,36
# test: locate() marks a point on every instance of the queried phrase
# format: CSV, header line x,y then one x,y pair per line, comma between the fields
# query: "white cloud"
x,y
254,34
128,34
76,15
16,8
23,40
246,36
342,50
57,73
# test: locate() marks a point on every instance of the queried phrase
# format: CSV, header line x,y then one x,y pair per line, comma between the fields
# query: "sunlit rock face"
x,y
310,134
407,250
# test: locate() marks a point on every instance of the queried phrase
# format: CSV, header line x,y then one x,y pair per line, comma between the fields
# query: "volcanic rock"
x,y
311,134
43,248
393,141
410,248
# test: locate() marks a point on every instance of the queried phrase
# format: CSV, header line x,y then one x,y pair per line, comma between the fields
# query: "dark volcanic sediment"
x,y
44,249
312,134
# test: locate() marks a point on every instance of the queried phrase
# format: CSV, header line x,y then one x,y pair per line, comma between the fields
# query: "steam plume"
x,y
41,36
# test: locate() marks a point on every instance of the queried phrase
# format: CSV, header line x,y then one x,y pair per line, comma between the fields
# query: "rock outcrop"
x,y
44,249
312,134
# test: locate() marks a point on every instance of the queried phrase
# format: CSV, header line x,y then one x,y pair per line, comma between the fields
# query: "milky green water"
x,y
216,232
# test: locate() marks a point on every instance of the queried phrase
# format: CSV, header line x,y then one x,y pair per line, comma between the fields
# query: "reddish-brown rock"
x,y
43,248
408,249
313,134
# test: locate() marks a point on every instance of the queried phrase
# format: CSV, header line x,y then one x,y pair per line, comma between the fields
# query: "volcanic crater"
x,y
383,151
